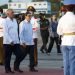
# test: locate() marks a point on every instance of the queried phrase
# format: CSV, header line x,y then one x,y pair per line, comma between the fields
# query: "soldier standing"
x,y
66,28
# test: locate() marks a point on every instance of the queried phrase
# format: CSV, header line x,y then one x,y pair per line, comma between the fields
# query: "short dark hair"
x,y
27,13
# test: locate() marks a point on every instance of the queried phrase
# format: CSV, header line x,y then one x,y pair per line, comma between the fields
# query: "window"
x,y
39,11
9,4
34,4
39,4
14,4
19,5
44,4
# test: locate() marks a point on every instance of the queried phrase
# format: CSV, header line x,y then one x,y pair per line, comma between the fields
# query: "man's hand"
x,y
12,44
24,45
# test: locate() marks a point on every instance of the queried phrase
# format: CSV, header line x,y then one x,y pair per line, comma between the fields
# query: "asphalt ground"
x,y
47,64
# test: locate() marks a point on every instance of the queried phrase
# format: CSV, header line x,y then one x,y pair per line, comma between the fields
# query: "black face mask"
x,y
41,17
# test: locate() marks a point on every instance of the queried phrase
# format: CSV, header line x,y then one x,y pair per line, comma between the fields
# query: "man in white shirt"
x,y
1,38
11,42
66,28
26,40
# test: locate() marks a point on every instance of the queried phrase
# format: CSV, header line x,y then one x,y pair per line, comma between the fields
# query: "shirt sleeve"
x,y
60,28
21,33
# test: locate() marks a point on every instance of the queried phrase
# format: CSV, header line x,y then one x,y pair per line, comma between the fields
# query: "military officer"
x,y
66,28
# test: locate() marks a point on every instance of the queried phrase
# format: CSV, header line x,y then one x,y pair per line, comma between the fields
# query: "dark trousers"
x,y
44,36
8,52
52,40
35,52
29,50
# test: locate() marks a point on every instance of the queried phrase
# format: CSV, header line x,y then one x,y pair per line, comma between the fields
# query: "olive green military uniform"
x,y
44,23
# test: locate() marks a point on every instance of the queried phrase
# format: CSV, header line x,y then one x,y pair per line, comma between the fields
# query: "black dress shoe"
x,y
8,71
42,51
1,64
35,64
33,70
18,70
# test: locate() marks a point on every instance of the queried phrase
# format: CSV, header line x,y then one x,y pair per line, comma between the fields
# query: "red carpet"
x,y
40,72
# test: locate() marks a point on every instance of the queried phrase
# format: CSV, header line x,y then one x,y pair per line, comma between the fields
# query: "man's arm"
x,y
59,28
6,29
21,35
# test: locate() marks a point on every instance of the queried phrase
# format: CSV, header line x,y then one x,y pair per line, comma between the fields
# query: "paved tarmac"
x,y
47,64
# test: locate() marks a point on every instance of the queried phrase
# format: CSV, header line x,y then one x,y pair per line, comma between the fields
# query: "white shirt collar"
x,y
10,19
26,21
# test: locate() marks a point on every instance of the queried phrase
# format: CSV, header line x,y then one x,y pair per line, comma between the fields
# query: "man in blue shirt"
x,y
26,40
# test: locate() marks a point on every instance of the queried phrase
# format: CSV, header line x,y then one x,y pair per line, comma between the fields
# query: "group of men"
x,y
20,44
26,41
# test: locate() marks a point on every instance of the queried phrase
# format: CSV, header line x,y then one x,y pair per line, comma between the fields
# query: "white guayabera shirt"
x,y
10,31
66,24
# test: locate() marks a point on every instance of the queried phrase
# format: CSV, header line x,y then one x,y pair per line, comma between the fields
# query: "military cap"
x,y
31,8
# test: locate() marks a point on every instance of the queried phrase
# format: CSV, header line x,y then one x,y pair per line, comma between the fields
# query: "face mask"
x,y
62,13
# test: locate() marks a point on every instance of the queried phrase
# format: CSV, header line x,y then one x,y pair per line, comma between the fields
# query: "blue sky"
x,y
6,1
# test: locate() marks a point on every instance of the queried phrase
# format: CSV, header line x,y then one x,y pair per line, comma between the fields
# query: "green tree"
x,y
4,6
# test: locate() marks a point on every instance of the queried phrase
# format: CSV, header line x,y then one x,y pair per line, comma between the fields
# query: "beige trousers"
x,y
1,51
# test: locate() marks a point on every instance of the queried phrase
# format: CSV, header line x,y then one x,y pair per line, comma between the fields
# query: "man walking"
x,y
34,23
11,42
26,40
44,24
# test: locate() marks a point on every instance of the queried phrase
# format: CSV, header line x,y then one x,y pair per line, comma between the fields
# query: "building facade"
x,y
41,7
